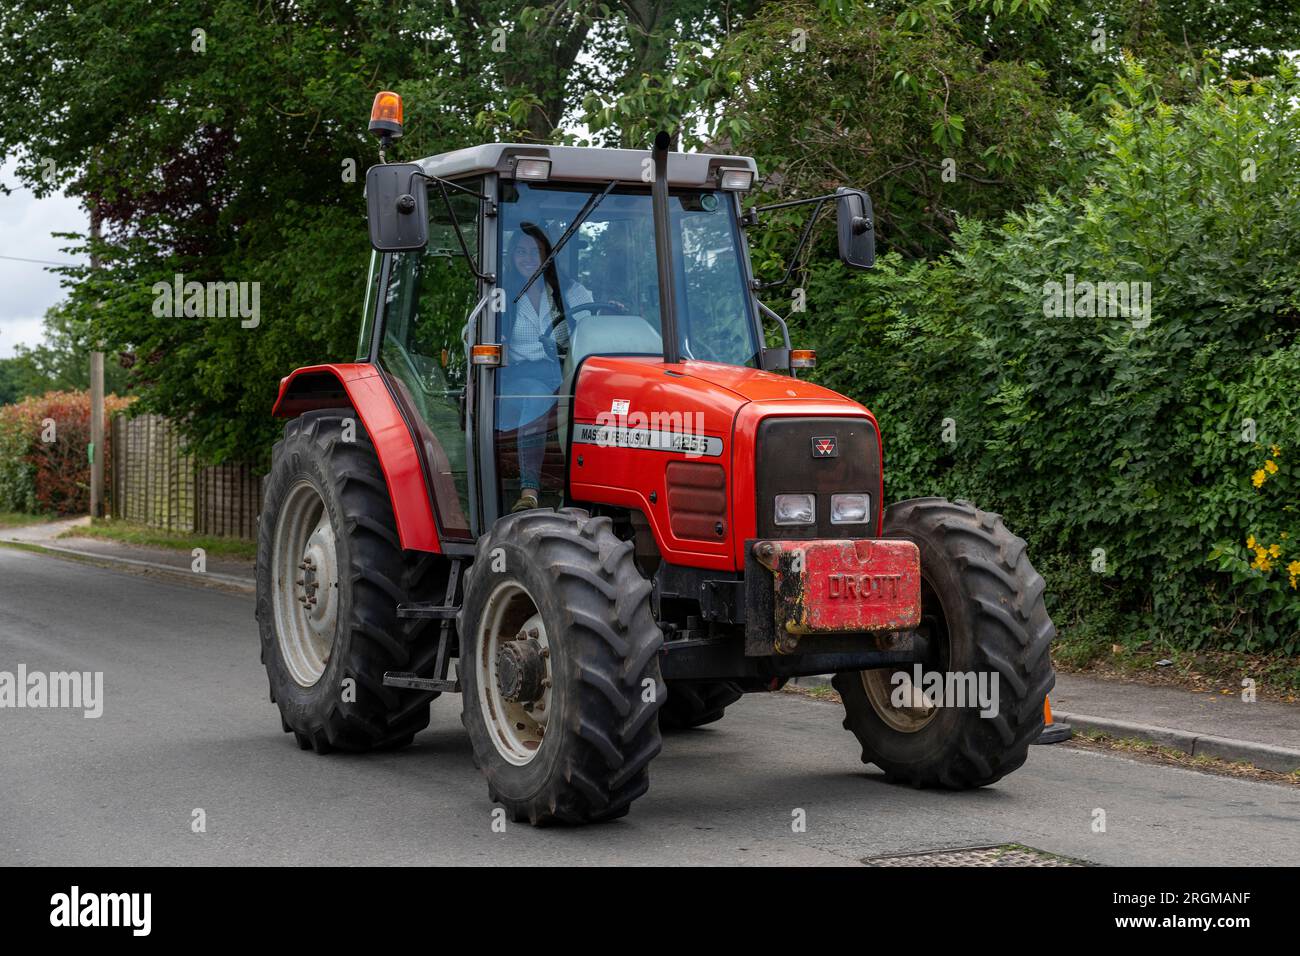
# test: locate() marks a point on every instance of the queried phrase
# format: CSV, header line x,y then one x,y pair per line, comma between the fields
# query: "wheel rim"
x,y
517,728
879,685
305,583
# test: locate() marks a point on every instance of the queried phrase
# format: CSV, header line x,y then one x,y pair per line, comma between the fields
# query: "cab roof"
x,y
583,164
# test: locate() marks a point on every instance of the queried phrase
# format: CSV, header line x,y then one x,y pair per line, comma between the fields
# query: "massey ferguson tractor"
x,y
567,478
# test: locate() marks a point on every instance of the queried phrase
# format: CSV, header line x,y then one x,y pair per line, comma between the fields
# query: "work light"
x,y
536,170
735,179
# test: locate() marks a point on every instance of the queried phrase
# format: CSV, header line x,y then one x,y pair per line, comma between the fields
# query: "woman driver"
x,y
531,374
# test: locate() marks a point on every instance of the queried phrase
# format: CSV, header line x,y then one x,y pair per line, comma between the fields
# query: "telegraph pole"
x,y
96,394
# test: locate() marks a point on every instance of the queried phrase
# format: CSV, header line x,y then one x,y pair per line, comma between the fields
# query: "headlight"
x,y
850,509
795,509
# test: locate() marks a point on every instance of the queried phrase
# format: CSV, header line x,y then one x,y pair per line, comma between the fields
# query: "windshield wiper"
x,y
588,208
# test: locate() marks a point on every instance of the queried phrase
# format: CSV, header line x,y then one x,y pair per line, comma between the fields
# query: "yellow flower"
x,y
1293,568
1258,478
1250,542
1274,551
1270,466
1277,452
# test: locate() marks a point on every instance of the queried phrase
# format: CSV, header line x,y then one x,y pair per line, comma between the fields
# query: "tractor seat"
x,y
605,335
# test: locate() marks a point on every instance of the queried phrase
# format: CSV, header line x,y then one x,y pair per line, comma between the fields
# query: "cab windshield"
x,y
602,294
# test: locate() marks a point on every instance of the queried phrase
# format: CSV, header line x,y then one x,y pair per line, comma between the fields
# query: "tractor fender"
x,y
361,387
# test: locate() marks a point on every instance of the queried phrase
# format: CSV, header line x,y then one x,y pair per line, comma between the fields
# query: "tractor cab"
x,y
499,270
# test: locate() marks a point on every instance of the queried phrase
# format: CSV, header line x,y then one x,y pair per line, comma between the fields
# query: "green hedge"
x,y
44,465
17,472
1150,465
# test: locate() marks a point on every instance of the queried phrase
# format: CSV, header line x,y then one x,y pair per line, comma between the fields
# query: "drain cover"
x,y
1005,854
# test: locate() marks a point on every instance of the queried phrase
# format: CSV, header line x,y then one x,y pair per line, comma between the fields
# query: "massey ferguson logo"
x,y
824,447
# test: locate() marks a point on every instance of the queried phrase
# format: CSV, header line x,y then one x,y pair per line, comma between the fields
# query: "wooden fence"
x,y
155,482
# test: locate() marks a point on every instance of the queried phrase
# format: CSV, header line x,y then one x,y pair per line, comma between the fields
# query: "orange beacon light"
x,y
386,116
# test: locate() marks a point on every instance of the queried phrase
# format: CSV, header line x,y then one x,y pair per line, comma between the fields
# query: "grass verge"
x,y
16,519
1156,753
126,532
1276,676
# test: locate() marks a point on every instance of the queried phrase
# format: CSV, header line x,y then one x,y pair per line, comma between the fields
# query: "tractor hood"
x,y
753,385
622,385
681,443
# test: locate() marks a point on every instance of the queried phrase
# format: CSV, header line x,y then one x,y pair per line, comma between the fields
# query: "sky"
x,y
26,224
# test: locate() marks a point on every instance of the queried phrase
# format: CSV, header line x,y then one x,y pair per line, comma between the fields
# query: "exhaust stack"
x,y
664,248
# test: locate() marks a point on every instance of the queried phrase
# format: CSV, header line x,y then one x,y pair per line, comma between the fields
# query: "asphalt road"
x,y
187,725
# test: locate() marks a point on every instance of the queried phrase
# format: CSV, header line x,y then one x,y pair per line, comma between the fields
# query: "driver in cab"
x,y
537,327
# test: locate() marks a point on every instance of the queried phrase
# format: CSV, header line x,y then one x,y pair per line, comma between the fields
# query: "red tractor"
x,y
567,478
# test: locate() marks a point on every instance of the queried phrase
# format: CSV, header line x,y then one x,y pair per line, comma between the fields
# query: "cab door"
x,y
427,302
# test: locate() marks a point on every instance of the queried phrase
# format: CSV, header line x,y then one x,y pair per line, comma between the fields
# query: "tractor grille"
x,y
786,465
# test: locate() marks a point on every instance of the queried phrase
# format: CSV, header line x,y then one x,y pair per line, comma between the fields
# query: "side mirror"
x,y
397,207
857,228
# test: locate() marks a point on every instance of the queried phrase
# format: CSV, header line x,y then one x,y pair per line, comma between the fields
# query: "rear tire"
x,y
328,679
693,703
579,750
982,606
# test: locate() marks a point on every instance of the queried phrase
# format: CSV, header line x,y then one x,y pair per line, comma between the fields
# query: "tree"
x,y
225,142
1080,44
908,108
11,389
60,363
943,108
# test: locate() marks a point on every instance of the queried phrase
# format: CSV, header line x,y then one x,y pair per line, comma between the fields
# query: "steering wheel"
x,y
617,307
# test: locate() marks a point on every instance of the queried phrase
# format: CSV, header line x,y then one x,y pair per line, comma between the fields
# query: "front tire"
x,y
559,668
330,574
982,614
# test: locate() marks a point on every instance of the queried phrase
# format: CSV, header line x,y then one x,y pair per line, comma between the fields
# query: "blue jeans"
x,y
525,397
